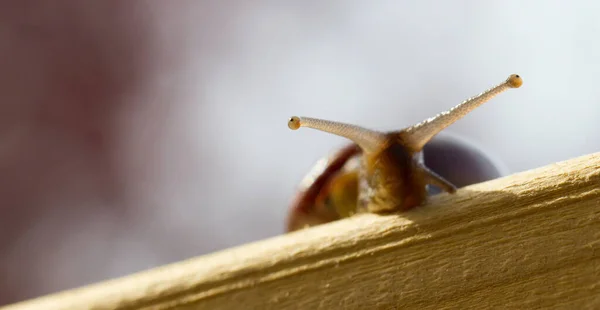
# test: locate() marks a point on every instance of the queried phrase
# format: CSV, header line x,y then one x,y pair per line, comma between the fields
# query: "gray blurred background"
x,y
140,133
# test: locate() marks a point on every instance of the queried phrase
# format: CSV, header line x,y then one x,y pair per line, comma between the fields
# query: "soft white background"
x,y
201,152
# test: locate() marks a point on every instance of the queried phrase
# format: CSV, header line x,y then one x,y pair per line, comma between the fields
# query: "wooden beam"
x,y
527,240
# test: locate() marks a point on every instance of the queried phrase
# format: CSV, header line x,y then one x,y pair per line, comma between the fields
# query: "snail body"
x,y
380,172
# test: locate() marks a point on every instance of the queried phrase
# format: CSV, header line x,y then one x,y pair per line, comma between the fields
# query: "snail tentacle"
x,y
435,179
369,140
418,135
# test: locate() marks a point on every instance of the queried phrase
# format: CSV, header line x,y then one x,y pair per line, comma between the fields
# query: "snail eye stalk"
x,y
369,140
418,135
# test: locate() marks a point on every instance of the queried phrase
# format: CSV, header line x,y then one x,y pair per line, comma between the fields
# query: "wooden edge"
x,y
527,239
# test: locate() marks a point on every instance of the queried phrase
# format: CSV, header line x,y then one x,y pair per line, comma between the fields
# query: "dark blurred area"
x,y
138,133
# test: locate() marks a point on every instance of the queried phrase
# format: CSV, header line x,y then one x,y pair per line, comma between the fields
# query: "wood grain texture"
x,y
524,241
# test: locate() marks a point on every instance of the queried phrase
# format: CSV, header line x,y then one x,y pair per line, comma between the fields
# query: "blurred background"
x,y
139,133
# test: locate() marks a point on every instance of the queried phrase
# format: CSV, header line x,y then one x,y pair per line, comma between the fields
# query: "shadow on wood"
x,y
528,240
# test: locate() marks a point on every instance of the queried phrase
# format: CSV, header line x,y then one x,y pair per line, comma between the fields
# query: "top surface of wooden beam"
x,y
526,240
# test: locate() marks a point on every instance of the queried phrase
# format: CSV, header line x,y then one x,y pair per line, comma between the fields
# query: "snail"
x,y
386,172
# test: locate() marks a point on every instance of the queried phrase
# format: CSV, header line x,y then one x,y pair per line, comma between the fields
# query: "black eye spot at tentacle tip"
x,y
514,81
294,122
